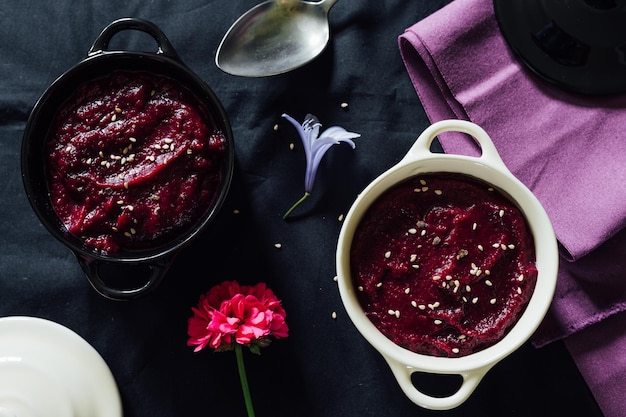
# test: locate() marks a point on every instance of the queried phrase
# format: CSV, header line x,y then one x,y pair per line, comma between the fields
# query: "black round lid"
x,y
579,45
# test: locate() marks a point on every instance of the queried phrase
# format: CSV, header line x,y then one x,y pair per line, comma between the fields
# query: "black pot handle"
x,y
101,43
156,269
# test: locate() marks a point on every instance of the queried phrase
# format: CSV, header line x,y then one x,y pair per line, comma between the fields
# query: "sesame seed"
x,y
438,192
448,277
113,118
413,257
334,315
474,300
335,278
424,189
89,161
340,218
132,139
412,230
520,278
495,245
360,288
492,301
168,140
436,240
468,288
414,303
118,110
379,284
415,266
462,253
423,232
344,105
416,190
387,254
115,229
133,231
423,182
455,350
130,207
436,277
391,312
462,337
152,93
436,304
503,246
127,234
487,272
480,248
189,151
421,307
488,283
275,127
278,245
101,154
292,146
407,290
420,224
501,213
474,226
519,290
398,314
490,189
511,246
437,321
103,163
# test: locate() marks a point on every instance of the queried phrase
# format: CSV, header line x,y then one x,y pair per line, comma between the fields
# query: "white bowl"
x,y
489,168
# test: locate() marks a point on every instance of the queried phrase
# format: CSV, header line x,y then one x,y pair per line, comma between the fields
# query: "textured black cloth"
x,y
324,368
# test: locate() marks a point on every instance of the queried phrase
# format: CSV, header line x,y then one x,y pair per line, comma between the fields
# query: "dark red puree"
x,y
443,264
132,161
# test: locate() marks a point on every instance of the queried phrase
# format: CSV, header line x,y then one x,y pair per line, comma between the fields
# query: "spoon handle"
x,y
327,4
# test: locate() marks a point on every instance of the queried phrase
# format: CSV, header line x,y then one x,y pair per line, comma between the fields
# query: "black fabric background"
x,y
324,368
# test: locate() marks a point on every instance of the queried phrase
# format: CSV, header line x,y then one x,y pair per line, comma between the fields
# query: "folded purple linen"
x,y
570,150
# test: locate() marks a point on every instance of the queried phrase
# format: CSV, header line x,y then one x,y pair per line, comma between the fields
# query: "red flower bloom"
x,y
230,313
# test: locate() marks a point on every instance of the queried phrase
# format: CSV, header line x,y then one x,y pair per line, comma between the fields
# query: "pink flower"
x,y
230,313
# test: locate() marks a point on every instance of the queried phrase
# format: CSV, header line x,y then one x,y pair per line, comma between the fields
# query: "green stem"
x,y
244,379
296,204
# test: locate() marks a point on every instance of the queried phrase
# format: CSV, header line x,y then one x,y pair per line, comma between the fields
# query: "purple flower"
x,y
315,147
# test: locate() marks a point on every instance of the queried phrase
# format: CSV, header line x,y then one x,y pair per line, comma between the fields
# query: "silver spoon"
x,y
275,37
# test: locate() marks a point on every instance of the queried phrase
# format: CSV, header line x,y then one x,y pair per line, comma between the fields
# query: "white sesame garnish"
x,y
423,232
495,245
511,246
407,290
413,258
455,350
468,288
344,105
474,300
360,288
480,248
387,254
438,192
414,303
488,283
423,182
436,277
412,230
132,139
436,240
275,127
398,314
519,290
521,277
278,245
503,246
335,278
492,301
437,321
474,226
415,266
391,312
334,315
379,284
340,218
501,213
421,307
424,189
292,146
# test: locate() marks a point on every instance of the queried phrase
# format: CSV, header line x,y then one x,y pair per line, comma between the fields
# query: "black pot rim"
x,y
165,62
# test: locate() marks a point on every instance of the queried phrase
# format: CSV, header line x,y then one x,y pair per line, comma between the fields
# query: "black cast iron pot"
x,y
146,266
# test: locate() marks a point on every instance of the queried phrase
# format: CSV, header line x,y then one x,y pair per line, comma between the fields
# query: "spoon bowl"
x,y
275,37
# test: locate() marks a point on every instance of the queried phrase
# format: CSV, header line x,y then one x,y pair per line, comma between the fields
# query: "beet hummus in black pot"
x,y
126,158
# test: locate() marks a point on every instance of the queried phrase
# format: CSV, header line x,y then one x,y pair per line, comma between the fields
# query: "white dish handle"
x,y
403,373
421,147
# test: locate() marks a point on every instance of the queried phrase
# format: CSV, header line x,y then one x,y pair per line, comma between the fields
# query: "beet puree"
x,y
132,162
443,264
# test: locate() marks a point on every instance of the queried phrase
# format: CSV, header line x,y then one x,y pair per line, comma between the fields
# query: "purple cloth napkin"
x,y
570,150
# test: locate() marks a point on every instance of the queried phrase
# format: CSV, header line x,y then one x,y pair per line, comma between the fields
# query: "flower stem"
x,y
296,204
244,380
